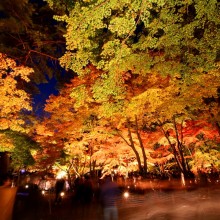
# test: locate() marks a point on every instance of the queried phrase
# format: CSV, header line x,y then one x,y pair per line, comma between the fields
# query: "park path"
x,y
7,198
150,204
201,204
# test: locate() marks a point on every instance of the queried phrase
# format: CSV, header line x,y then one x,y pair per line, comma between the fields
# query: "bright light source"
x,y
126,194
43,192
22,171
26,186
62,194
61,174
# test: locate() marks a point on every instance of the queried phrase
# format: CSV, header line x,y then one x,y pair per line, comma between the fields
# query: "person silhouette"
x,y
109,195
59,187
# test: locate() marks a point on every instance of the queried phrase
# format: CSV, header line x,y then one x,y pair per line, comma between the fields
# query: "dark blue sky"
x,y
46,89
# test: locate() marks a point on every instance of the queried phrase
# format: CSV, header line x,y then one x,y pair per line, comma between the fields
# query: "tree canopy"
x,y
127,40
146,83
14,99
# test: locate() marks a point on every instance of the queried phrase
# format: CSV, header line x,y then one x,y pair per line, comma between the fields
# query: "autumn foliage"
x,y
142,94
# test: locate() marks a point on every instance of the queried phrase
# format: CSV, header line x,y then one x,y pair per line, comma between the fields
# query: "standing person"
x,y
87,190
109,195
59,187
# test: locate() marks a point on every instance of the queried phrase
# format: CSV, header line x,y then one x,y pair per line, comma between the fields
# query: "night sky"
x,y
46,89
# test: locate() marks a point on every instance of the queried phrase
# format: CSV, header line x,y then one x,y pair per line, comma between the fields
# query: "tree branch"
x,y
43,54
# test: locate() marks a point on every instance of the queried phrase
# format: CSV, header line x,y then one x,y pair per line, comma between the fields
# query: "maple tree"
x,y
154,57
202,140
24,148
164,32
74,111
141,66
14,98
78,127
138,38
15,104
60,128
184,140
31,37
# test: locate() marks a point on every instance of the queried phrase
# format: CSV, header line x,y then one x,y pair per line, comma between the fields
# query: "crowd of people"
x,y
86,190
106,192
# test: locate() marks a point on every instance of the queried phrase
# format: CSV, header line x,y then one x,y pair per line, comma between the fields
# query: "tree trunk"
x,y
180,148
177,149
132,145
142,148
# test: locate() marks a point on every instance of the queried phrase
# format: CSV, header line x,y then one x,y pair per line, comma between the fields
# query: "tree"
x,y
14,99
205,140
31,37
138,37
76,120
15,117
132,143
63,127
186,139
137,61
164,31
206,156
24,150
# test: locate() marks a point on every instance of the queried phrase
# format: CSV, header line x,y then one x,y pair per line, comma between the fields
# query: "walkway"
x,y
150,204
200,204
7,198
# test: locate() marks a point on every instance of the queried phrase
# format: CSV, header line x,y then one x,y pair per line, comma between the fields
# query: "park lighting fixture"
x,y
26,186
62,194
43,192
61,174
126,194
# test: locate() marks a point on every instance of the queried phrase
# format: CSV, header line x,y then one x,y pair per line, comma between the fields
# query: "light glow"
x,y
61,174
126,194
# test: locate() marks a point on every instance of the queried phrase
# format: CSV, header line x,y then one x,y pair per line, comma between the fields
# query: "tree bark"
x,y
132,145
142,148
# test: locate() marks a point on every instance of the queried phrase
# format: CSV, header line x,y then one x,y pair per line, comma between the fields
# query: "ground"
x,y
152,204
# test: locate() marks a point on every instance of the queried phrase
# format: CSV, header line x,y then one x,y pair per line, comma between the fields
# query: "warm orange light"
x,y
126,194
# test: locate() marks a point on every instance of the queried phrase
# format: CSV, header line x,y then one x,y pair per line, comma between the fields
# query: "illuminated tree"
x,y
14,99
24,149
154,57
202,140
107,33
15,107
30,36
62,127
139,38
140,65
